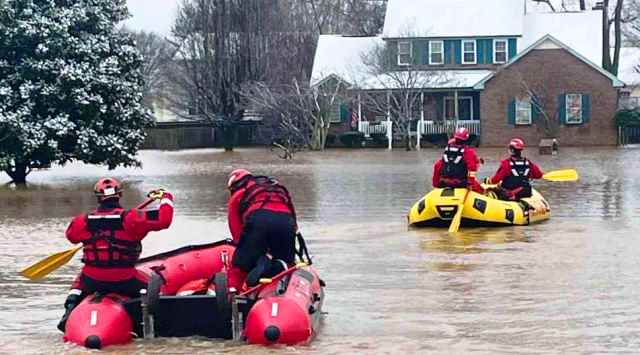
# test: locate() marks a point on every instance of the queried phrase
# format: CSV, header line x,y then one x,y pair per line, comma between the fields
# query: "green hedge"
x,y
628,118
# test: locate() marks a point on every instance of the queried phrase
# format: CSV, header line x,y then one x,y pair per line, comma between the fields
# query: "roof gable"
x,y
550,42
453,18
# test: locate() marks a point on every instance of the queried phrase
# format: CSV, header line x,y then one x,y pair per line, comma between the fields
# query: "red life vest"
x,y
263,191
454,170
109,245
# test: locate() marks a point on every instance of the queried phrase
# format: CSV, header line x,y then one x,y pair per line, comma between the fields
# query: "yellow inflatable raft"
x,y
439,206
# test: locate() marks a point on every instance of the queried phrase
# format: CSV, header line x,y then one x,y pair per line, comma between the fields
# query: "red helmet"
x,y
517,144
462,134
107,188
236,176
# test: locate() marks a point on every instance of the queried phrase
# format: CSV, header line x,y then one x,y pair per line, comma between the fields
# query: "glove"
x,y
156,194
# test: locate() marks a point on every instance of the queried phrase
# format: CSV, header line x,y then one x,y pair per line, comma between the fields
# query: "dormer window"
x,y
500,48
436,55
404,53
468,52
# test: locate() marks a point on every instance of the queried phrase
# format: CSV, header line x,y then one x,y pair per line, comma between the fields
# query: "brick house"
x,y
508,71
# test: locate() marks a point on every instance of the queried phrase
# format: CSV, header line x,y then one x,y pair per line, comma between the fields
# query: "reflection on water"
x,y
568,285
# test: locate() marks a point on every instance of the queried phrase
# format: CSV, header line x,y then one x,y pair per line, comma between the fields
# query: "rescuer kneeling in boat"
x,y
262,221
514,174
111,238
459,164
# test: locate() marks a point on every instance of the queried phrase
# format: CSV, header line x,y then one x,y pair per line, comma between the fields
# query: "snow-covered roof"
x,y
582,31
549,42
341,56
432,79
453,18
629,61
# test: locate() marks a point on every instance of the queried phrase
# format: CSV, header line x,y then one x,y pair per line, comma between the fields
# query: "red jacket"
x,y
136,224
505,170
263,200
472,162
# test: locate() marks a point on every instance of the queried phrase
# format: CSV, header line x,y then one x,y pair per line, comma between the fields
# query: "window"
x,y
436,56
468,52
574,108
465,108
523,112
404,53
500,51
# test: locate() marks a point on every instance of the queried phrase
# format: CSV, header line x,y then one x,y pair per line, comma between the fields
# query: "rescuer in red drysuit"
x,y
111,238
459,164
262,221
514,173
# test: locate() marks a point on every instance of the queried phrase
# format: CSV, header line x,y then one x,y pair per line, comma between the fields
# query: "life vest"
x,y
263,191
519,177
454,169
107,246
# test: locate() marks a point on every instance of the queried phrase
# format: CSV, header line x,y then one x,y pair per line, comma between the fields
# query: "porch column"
x,y
359,113
421,123
389,130
455,107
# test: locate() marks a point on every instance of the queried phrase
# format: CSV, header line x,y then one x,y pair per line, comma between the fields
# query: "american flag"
x,y
354,119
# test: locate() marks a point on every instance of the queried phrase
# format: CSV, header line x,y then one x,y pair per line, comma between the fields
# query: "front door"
x,y
465,108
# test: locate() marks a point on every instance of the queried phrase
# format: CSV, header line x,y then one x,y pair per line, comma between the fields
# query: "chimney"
x,y
599,6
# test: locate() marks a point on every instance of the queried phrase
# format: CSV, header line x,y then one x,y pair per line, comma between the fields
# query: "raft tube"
x,y
100,321
288,311
439,206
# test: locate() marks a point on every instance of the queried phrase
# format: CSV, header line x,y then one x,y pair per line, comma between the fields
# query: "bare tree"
x,y
158,56
300,116
364,17
542,103
395,91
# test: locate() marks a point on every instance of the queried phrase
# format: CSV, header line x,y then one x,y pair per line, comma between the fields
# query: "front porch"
x,y
437,116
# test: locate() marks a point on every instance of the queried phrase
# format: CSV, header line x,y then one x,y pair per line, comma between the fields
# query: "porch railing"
x,y
447,127
369,128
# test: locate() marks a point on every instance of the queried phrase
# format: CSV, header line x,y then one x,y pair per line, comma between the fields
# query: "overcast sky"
x,y
152,15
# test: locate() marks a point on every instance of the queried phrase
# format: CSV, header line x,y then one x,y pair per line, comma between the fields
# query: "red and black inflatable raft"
x,y
283,310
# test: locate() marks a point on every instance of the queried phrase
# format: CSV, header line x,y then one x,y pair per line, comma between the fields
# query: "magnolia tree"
x,y
70,86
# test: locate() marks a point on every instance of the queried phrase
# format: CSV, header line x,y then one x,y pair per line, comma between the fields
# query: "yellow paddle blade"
x,y
561,175
455,222
47,265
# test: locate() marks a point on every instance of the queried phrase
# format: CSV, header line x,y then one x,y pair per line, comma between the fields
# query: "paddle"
x,y
455,222
561,175
49,264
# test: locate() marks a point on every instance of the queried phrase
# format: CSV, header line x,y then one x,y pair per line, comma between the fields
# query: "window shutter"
x,y
344,112
511,112
536,115
562,108
392,49
457,45
586,108
480,51
425,58
513,47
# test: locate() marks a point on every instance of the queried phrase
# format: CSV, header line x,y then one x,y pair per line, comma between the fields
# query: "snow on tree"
x,y
70,85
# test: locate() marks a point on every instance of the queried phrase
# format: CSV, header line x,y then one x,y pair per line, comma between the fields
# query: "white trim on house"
x,y
431,51
475,51
460,98
617,83
400,43
495,50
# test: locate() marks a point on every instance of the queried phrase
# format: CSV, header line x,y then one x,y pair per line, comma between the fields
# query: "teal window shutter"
x,y
586,108
448,52
480,51
489,51
562,108
511,112
425,60
513,47
457,45
344,112
536,115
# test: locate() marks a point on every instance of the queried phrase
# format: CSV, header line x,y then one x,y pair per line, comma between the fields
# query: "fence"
x,y
628,135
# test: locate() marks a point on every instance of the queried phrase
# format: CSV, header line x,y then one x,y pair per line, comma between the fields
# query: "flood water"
x,y
570,285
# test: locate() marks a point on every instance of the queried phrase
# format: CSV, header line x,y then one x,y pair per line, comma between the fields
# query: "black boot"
x,y
265,267
69,304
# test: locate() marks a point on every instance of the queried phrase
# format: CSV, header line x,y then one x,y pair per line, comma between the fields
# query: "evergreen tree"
x,y
70,85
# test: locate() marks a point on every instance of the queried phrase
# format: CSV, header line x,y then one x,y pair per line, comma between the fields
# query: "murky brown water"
x,y
566,286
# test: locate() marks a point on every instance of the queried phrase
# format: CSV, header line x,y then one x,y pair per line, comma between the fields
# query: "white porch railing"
x,y
447,127
368,128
